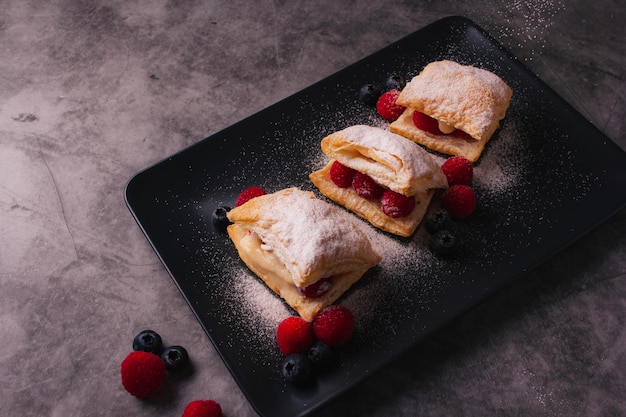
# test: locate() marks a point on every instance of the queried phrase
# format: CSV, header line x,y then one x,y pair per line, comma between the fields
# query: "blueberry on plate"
x,y
443,243
437,220
148,341
320,354
369,94
394,82
296,368
219,220
176,358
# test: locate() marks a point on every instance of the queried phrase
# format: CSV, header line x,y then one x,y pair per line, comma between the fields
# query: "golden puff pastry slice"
x,y
392,161
389,159
306,250
470,99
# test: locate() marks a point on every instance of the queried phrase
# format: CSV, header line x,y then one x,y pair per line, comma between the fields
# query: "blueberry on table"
x,y
321,354
176,358
148,341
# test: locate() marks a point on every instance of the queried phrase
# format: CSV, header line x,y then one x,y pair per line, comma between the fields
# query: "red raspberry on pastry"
x,y
387,107
458,170
341,175
426,123
143,373
366,187
294,335
249,193
460,201
334,325
396,205
203,408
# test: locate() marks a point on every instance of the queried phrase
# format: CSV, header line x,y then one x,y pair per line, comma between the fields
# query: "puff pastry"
x,y
293,241
461,97
393,162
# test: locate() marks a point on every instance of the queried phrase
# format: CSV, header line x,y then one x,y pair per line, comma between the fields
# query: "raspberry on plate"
x,y
387,107
334,325
396,205
458,170
341,175
366,187
143,373
203,408
294,335
248,194
459,200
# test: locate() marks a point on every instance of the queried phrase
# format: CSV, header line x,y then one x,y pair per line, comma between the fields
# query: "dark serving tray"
x,y
547,177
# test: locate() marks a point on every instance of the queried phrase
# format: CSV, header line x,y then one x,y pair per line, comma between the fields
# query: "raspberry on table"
x,y
458,170
366,187
294,335
396,205
143,373
203,408
341,175
248,194
387,107
334,325
459,201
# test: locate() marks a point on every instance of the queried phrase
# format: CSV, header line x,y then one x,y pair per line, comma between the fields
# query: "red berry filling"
x,y
393,205
317,289
396,205
430,125
366,187
341,175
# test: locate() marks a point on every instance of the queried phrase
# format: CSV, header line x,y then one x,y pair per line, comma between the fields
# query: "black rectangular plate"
x,y
547,177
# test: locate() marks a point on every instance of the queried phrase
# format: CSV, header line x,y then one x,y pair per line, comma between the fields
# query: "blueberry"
x,y
369,94
394,82
148,341
443,242
320,354
438,220
176,358
219,219
297,368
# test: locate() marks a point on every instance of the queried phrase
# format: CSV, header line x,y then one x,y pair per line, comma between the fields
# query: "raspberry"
x,y
366,187
294,335
203,408
396,205
458,170
143,373
317,289
426,123
248,194
334,325
387,107
341,175
460,201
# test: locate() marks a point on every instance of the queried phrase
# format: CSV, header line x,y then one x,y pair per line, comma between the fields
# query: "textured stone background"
x,y
92,92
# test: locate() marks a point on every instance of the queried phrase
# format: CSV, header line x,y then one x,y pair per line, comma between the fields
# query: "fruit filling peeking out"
x,y
435,127
392,204
317,289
